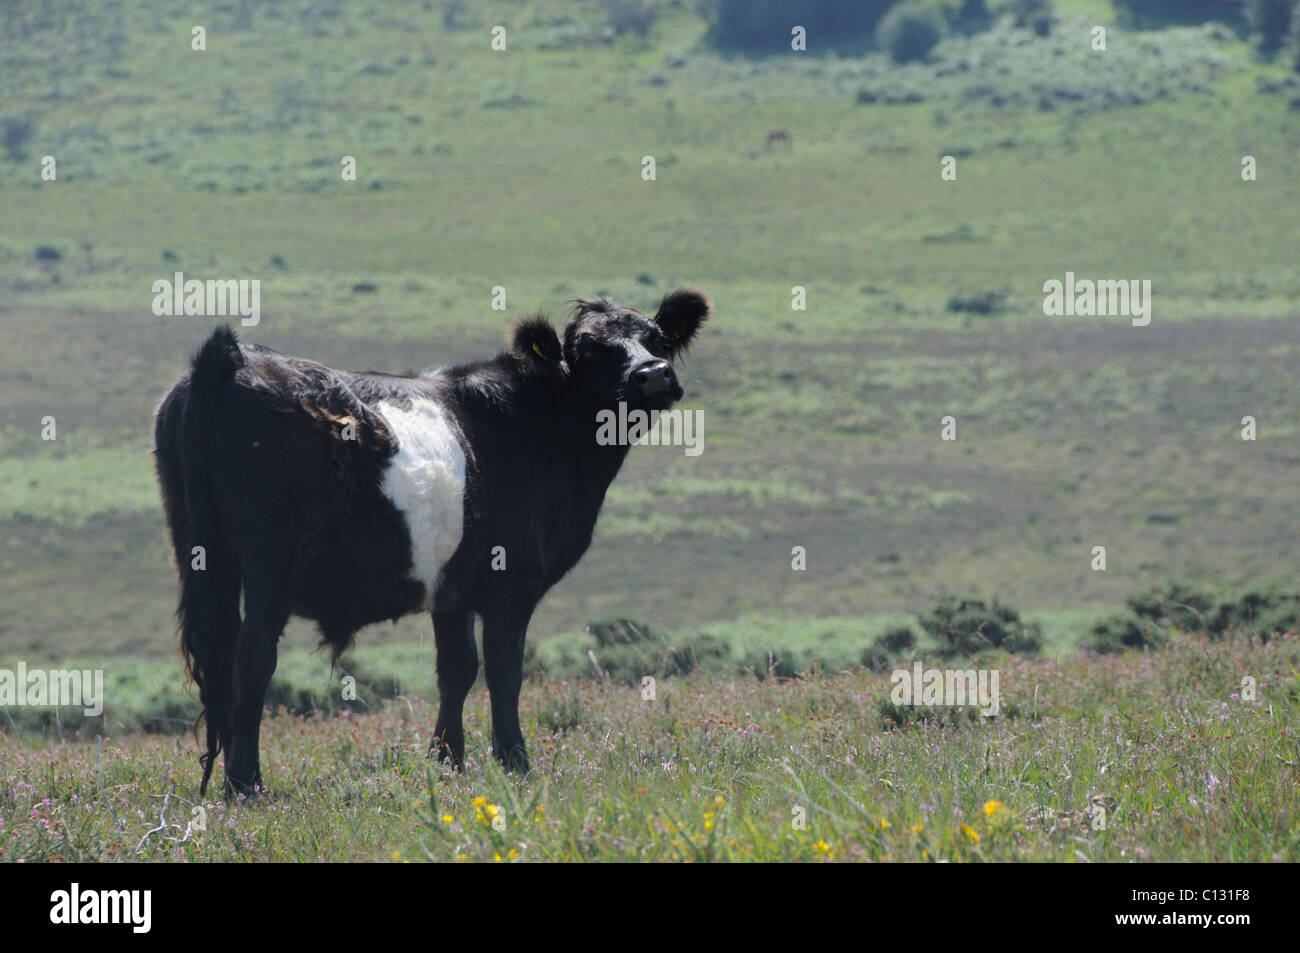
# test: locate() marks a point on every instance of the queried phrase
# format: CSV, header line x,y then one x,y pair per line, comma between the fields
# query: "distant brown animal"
x,y
779,135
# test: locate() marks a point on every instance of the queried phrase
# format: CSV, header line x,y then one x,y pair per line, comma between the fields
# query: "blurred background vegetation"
x,y
478,168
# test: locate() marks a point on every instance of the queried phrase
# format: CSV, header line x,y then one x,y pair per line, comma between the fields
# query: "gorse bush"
x,y
971,16
1035,15
910,31
626,651
1256,612
888,647
15,133
967,626
608,632
1260,612
1270,22
1173,603
763,26
978,302
976,72
1120,633
898,639
635,17
1154,13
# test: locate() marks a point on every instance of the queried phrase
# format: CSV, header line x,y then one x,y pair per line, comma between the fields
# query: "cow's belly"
x,y
425,481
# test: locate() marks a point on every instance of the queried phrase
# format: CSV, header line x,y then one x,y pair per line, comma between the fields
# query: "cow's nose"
x,y
655,377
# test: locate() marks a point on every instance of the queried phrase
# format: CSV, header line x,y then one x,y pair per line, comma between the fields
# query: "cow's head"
x,y
612,353
617,354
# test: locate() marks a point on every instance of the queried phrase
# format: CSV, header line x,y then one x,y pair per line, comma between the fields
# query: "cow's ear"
x,y
534,339
680,316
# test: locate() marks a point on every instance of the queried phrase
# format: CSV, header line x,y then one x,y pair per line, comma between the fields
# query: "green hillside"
x,y
523,169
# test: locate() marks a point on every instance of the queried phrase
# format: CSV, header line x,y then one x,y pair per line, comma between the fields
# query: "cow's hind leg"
x,y
209,632
453,633
503,658
218,690
265,614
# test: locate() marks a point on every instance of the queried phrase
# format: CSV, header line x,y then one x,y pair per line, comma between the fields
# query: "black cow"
x,y
349,498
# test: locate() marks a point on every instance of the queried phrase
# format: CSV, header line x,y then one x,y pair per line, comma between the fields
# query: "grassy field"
x,y
522,169
822,425
1153,758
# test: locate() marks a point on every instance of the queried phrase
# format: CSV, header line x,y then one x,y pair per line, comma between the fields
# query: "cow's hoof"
x,y
448,749
249,789
513,759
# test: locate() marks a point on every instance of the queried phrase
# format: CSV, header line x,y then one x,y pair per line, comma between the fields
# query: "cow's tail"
x,y
209,604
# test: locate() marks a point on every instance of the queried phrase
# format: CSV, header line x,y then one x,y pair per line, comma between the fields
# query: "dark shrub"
x,y
628,650
910,31
967,626
776,664
978,302
48,253
1262,612
1121,632
972,17
897,639
630,16
1270,21
1174,603
454,15
763,26
1151,13
1035,15
15,132
622,632
887,647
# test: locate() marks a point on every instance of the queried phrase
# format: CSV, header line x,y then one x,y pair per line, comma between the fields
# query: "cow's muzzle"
x,y
655,379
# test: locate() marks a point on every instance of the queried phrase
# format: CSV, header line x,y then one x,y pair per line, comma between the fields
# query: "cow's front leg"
x,y
255,661
453,633
503,656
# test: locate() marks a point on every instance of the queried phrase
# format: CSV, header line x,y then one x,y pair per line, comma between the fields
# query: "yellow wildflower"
x,y
447,818
971,833
993,808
